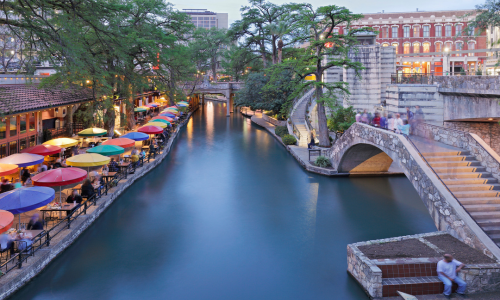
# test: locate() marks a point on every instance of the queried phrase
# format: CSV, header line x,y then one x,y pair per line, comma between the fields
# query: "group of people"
x,y
393,122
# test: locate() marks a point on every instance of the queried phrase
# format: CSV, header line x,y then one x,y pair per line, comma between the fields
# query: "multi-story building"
x,y
427,38
207,19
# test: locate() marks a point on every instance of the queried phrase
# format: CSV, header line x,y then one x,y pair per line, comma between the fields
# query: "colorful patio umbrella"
x,y
62,142
145,107
174,111
149,105
139,109
26,198
106,150
136,136
183,104
171,109
43,150
87,160
153,104
159,124
6,220
92,132
7,169
149,129
159,120
22,159
163,118
59,177
167,114
121,142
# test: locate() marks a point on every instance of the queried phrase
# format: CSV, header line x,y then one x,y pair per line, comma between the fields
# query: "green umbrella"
x,y
92,132
139,109
106,150
160,120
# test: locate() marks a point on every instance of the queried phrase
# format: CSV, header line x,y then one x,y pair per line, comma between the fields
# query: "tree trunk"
x,y
109,123
280,51
324,140
129,107
274,50
214,68
171,92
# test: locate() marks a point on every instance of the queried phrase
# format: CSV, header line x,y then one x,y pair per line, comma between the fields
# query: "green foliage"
x,y
323,162
281,131
341,119
289,139
207,46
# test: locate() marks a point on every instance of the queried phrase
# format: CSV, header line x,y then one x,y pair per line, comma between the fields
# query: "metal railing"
x,y
402,78
44,238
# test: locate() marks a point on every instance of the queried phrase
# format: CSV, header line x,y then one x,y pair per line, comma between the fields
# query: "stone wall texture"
x,y
445,210
364,271
488,131
273,120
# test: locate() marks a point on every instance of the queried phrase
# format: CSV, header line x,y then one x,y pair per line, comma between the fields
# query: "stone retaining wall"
x,y
445,210
273,121
17,278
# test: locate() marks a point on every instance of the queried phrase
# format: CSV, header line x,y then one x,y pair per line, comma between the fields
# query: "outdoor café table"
x,y
127,157
123,167
28,234
67,207
109,176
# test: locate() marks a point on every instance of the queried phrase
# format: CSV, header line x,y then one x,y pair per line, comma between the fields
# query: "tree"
x,y
341,119
237,59
265,26
326,49
208,45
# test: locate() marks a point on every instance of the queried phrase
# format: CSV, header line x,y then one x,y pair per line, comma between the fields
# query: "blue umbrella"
x,y
136,136
23,159
167,115
25,199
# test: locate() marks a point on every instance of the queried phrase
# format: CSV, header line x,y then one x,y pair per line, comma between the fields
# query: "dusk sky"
x,y
233,7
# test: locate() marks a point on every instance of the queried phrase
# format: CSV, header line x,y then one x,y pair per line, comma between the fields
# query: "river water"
x,y
230,214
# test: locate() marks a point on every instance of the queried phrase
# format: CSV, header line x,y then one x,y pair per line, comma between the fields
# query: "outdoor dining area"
x,y
49,185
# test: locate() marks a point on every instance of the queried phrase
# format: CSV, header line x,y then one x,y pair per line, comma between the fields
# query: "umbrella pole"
x,y
60,195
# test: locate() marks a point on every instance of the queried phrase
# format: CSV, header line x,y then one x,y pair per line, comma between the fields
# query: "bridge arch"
x,y
364,158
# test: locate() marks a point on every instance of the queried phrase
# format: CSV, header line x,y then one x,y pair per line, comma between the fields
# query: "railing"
x,y
296,131
44,238
402,78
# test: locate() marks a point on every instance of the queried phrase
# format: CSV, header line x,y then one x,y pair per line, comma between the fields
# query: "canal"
x,y
230,214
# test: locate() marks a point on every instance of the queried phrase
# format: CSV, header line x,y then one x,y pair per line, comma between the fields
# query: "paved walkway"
x,y
479,296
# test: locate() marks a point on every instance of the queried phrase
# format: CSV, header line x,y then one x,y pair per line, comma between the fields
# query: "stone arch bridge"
x,y
226,89
365,149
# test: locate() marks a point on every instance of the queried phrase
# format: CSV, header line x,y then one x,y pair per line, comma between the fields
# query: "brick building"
x,y
430,35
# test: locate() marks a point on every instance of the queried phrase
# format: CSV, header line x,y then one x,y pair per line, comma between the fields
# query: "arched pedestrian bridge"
x,y
226,89
438,176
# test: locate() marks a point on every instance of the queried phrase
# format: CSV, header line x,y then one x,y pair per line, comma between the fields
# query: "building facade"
x,y
203,18
423,40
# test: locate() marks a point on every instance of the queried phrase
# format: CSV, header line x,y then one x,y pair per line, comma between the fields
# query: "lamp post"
x,y
446,61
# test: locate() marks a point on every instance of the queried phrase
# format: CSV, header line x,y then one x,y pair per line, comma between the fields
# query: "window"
x,y
397,46
471,30
416,48
426,47
439,30
406,31
32,122
3,150
394,32
385,45
439,47
406,48
426,31
459,47
416,31
385,32
471,46
22,124
32,140
3,128
13,147
448,46
458,30
335,30
13,126
22,144
447,30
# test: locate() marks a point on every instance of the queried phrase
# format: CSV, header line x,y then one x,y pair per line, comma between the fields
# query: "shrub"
x,y
323,162
281,130
289,139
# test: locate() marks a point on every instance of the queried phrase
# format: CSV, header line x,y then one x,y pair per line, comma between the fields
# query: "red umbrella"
x,y
122,142
59,177
43,150
7,169
150,106
164,118
150,129
6,220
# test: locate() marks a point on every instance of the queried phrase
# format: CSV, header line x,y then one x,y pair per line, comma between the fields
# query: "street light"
x,y
446,61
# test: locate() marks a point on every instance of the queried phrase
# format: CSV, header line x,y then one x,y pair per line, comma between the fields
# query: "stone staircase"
x,y
476,189
298,118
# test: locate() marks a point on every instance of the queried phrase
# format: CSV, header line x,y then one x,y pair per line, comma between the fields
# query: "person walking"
x,y
383,121
358,117
390,123
447,270
398,122
365,117
376,120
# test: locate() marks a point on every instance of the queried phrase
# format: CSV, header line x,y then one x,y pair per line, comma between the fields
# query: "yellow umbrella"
x,y
88,160
159,124
62,142
145,107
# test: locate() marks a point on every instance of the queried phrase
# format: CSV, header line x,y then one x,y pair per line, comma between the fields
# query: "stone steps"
x,y
428,285
474,187
476,194
451,153
450,158
437,164
474,201
465,175
482,207
461,181
459,169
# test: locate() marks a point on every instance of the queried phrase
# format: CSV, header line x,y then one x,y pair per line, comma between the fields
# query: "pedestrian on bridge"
x,y
447,270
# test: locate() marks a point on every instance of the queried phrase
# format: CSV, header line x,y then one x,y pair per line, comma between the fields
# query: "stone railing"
x,y
465,140
468,82
273,121
447,212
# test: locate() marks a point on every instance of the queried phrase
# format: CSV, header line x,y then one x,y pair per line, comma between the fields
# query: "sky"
x,y
232,7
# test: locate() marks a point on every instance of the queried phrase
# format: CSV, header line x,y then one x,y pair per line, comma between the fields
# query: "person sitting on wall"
x,y
311,143
447,270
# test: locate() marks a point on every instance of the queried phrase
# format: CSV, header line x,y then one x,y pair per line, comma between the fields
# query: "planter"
x,y
273,121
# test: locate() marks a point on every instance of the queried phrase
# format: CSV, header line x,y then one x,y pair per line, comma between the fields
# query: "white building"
x,y
207,19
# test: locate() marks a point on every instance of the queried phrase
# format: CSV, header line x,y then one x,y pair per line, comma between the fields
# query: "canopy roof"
x,y
59,177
